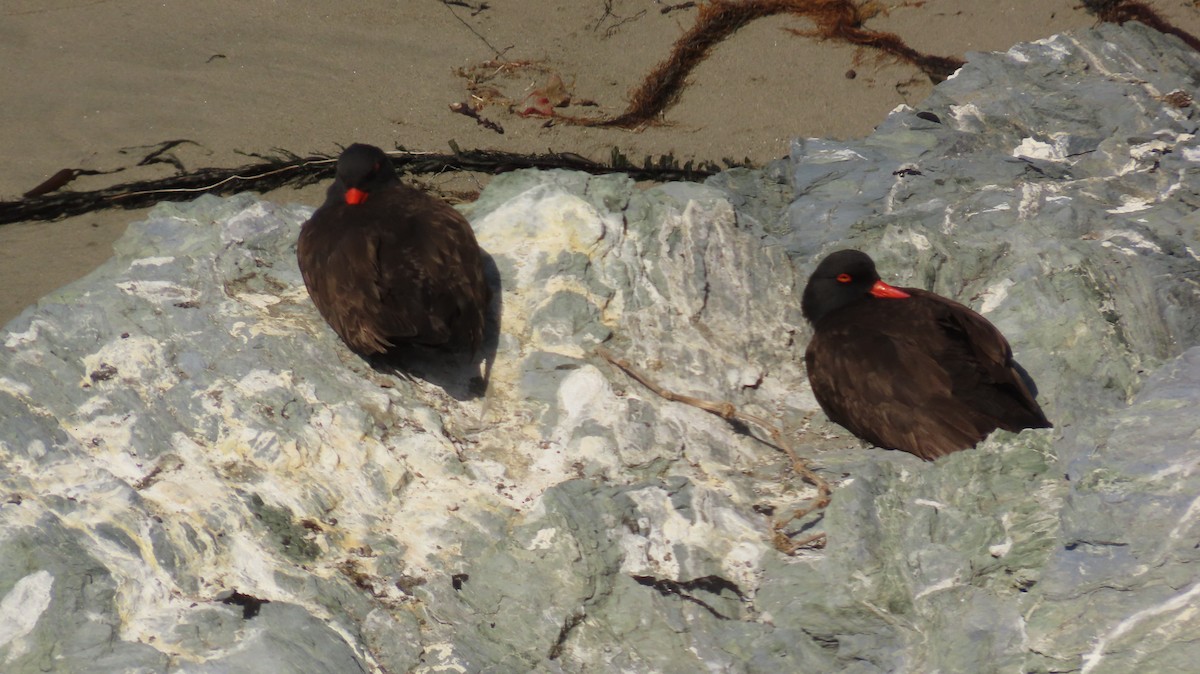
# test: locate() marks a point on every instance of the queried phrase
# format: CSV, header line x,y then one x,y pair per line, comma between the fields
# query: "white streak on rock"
x,y
833,156
16,389
151,262
258,300
1187,519
1131,204
1180,601
161,292
543,540
21,608
1031,148
943,584
1135,239
994,295
999,550
15,339
966,117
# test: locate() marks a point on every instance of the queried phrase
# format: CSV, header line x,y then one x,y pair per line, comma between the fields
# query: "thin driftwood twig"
x,y
727,411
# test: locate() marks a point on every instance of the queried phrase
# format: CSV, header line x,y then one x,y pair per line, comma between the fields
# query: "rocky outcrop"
x,y
199,477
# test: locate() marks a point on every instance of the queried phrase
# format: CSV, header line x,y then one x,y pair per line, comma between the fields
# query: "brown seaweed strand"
x,y
838,20
841,21
1120,11
661,88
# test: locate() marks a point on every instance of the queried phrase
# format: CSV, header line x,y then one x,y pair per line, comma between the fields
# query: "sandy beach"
x,y
98,85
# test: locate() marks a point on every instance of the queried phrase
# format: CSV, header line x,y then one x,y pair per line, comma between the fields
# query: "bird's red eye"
x,y
843,278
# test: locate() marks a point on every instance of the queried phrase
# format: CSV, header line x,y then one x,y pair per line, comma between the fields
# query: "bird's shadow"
x,y
1025,377
462,375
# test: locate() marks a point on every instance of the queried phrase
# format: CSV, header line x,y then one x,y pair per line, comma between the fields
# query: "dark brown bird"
x,y
906,369
388,265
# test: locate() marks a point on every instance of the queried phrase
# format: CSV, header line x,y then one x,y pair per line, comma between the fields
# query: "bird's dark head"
x,y
361,170
843,278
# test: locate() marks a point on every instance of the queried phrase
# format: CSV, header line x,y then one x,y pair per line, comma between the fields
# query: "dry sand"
x,y
96,84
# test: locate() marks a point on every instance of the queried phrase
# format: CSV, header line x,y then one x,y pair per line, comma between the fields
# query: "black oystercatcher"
x,y
906,369
388,265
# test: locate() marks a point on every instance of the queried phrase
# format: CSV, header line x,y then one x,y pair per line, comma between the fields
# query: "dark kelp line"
x,y
295,171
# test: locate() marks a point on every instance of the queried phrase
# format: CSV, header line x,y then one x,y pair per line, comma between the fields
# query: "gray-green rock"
x,y
198,477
